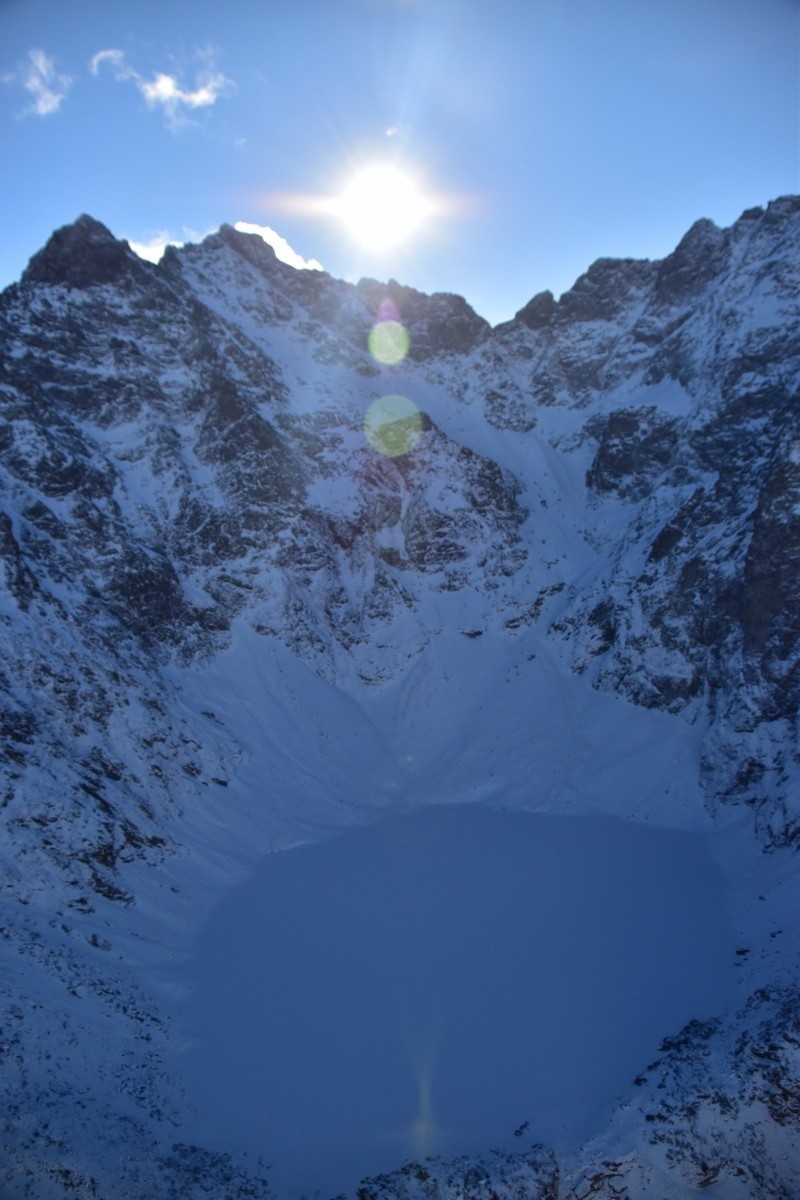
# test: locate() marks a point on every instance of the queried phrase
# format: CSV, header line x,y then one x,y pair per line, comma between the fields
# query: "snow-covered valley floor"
x,y
434,982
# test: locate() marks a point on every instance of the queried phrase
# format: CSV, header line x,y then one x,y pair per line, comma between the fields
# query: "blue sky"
x,y
551,132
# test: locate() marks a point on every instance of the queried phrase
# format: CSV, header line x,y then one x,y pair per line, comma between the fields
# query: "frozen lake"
x,y
429,984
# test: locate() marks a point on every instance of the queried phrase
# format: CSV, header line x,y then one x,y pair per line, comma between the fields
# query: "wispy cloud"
x,y
46,85
115,59
282,249
153,247
164,91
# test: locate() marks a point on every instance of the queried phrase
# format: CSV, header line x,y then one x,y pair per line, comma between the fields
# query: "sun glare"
x,y
382,207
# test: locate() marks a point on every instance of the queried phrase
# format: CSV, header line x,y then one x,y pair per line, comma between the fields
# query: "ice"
x,y
426,985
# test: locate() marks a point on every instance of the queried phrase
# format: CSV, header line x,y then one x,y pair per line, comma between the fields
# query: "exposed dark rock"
x,y
635,446
699,257
83,255
538,312
438,324
506,409
604,291
530,1175
16,576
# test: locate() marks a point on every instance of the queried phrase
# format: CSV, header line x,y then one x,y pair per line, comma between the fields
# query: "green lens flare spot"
x,y
389,342
393,425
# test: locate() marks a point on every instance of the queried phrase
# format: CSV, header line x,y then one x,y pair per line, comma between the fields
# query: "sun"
x,y
381,207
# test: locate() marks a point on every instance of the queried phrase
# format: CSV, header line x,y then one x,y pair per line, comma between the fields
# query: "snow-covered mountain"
x,y
247,601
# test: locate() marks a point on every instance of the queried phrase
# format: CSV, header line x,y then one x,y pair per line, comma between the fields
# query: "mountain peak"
x,y
81,255
699,256
440,322
251,246
538,312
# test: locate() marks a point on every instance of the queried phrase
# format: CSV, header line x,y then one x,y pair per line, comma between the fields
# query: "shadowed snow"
x,y
430,983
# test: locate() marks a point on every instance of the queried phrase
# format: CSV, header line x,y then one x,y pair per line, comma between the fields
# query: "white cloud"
x,y
153,248
117,61
164,91
39,77
281,247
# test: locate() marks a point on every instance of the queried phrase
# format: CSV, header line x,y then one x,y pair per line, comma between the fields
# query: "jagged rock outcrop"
x,y
82,255
532,1175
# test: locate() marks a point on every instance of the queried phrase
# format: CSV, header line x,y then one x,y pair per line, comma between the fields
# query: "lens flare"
x,y
389,342
388,310
393,425
425,1134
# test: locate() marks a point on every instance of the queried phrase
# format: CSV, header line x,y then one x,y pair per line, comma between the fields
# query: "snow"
x,y
379,905
668,395
426,985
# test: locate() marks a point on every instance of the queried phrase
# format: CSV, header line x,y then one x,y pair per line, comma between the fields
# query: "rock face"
x,y
612,477
82,255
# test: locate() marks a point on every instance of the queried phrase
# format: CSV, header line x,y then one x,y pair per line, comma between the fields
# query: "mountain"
x,y
248,601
